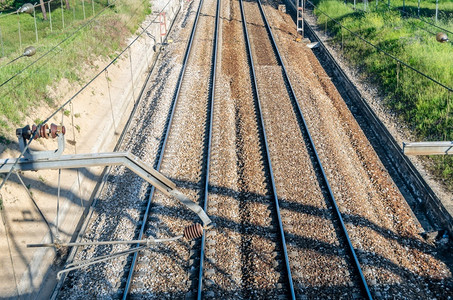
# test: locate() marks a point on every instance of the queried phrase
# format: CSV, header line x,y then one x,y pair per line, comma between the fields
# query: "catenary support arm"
x,y
126,159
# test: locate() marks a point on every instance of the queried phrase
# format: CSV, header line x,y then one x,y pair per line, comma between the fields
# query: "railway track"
x,y
231,134
367,198
122,218
185,157
253,231
274,82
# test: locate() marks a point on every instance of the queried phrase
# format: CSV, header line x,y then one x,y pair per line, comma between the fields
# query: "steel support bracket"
x,y
24,134
126,159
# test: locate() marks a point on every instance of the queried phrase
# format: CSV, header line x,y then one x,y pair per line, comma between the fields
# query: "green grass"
x,y
427,8
425,106
49,29
70,60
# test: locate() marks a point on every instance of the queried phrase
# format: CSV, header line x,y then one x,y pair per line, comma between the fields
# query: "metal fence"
x,y
34,21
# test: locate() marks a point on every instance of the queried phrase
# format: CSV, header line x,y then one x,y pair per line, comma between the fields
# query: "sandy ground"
x,y
93,124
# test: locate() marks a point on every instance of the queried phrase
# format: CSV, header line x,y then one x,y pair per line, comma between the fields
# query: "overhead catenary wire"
x,y
13,12
411,15
423,20
43,217
5,179
6,226
383,51
40,125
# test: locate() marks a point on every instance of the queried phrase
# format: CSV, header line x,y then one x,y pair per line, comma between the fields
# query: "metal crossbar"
x,y
130,161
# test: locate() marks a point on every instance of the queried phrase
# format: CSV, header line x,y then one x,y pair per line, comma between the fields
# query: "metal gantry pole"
x,y
1,40
20,36
36,26
83,8
300,17
437,9
62,13
50,15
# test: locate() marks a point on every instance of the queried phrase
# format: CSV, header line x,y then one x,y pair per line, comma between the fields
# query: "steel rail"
x,y
162,149
295,102
269,164
208,146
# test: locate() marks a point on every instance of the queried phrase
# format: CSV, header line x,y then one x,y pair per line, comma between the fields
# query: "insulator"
x,y
55,130
27,8
29,51
193,231
33,129
441,37
42,133
45,132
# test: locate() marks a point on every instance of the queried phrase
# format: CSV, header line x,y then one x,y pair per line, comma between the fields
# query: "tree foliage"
x,y
6,4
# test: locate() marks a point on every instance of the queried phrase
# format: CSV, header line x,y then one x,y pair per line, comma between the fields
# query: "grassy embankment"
x,y
423,105
427,8
69,60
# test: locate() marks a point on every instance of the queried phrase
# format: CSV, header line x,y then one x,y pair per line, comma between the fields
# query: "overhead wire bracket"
x,y
45,160
126,159
27,133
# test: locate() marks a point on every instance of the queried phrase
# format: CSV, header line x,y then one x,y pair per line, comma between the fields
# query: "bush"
x,y
6,4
